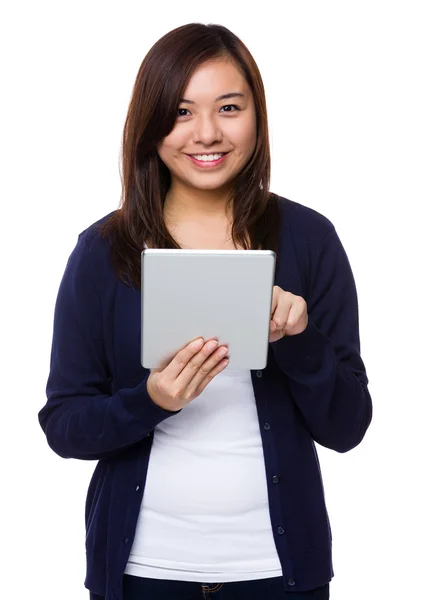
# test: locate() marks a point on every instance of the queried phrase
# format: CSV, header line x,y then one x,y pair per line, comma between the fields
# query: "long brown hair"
x,y
152,112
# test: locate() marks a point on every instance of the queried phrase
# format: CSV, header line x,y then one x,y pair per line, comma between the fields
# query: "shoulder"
x,y
92,243
91,254
91,236
302,222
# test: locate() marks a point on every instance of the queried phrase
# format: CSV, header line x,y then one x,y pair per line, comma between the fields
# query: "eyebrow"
x,y
223,97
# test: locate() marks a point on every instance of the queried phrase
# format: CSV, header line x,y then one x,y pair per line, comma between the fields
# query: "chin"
x,y
208,186
215,181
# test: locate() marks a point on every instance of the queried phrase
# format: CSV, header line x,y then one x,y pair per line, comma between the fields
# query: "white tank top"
x,y
204,515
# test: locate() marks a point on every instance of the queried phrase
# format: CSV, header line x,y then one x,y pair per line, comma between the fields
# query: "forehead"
x,y
212,79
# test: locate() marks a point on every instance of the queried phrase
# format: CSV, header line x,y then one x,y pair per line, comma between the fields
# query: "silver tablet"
x,y
223,294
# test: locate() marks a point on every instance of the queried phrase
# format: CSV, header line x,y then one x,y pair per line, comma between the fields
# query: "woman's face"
x,y
208,124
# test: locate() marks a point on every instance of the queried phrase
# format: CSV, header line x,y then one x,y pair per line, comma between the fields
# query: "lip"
x,y
208,164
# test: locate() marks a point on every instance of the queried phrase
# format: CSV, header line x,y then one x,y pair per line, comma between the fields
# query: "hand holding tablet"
x,y
185,377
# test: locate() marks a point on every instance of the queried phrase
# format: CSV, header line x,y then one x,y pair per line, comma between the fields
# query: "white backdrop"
x,y
347,86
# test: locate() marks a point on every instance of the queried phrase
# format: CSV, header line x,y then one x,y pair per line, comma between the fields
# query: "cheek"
x,y
171,145
244,136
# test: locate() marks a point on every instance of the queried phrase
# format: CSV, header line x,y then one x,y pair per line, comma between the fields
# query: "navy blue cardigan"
x,y
314,389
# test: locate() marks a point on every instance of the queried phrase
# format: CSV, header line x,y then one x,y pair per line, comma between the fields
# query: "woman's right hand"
x,y
187,374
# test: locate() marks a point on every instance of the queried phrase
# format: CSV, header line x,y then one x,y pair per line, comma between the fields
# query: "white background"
x,y
347,87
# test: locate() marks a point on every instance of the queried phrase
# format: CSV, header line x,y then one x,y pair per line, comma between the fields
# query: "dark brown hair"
x,y
152,112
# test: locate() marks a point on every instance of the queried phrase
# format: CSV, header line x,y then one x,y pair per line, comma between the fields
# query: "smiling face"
x,y
215,115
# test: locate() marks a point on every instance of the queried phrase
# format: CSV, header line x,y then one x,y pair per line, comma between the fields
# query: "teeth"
x,y
207,157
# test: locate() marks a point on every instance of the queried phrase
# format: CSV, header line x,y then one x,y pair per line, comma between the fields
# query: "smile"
x,y
208,160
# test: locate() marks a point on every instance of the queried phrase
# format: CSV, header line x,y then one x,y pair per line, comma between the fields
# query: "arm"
x,y
81,418
326,374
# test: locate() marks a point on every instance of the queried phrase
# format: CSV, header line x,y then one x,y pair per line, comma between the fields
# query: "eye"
x,y
230,106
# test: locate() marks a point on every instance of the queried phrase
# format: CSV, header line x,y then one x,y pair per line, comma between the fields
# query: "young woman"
x,y
207,484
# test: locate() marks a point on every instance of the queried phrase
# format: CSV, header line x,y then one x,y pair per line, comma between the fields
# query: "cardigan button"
x,y
259,373
266,426
281,530
275,479
291,582
126,540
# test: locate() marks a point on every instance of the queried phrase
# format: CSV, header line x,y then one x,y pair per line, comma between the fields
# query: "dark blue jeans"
x,y
142,588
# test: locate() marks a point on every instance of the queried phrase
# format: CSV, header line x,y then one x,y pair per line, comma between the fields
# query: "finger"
x,y
162,364
200,372
220,366
274,299
168,358
182,358
280,316
194,365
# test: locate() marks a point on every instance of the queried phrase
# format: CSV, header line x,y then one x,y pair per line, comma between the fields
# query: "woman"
x,y
207,483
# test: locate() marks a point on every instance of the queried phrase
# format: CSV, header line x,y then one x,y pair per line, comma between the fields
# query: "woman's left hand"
x,y
289,314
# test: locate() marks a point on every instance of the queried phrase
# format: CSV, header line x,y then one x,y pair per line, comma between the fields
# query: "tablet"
x,y
222,294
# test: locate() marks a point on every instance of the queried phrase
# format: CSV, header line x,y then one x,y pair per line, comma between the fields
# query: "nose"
x,y
207,130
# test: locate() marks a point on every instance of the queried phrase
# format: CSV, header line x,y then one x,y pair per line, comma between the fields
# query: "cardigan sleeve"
x,y
82,419
325,372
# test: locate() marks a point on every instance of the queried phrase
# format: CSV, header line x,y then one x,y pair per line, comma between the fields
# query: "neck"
x,y
196,203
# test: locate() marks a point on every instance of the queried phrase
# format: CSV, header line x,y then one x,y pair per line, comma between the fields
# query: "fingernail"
x,y
198,343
